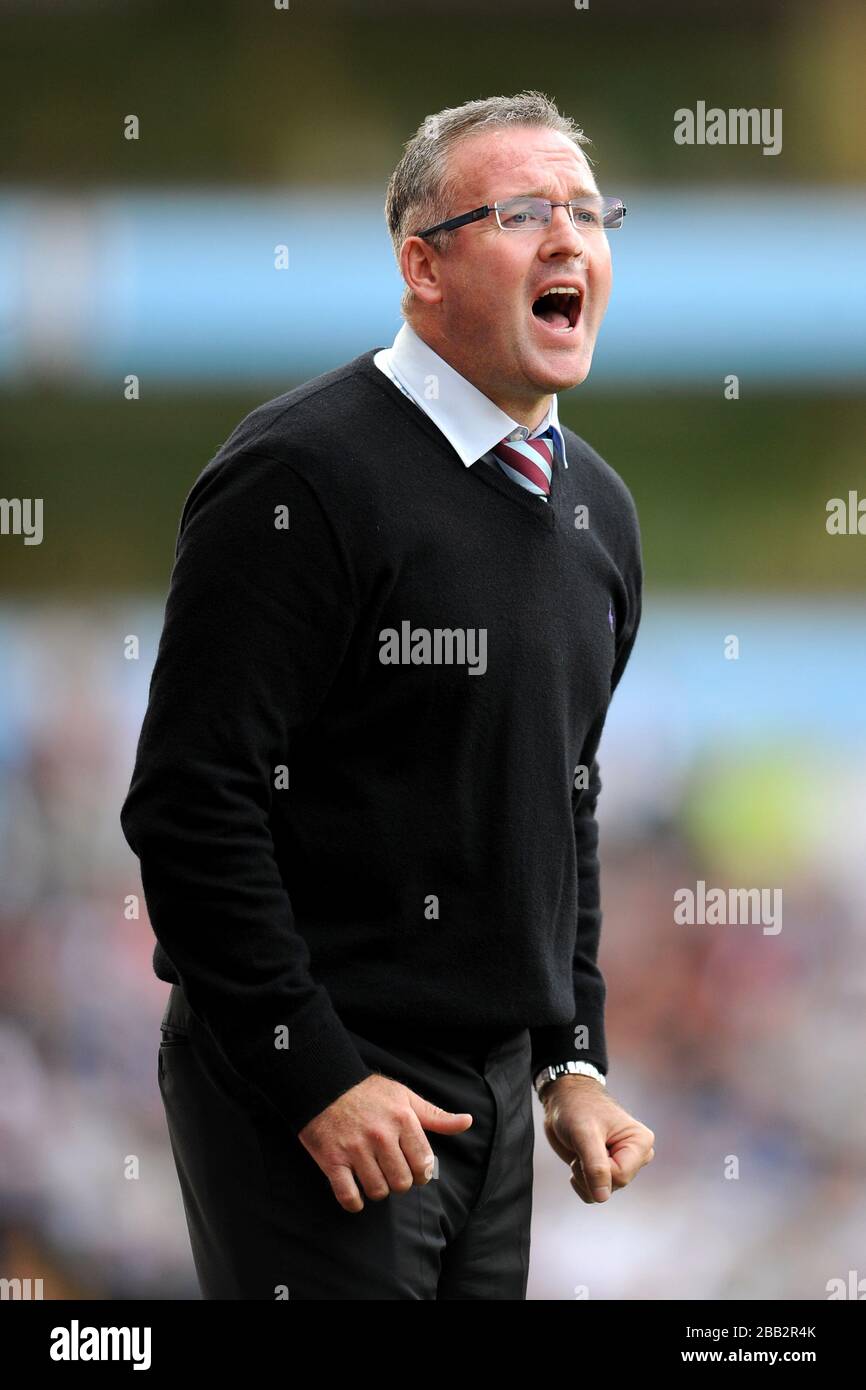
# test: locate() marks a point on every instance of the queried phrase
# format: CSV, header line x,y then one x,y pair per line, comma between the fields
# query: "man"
x,y
365,789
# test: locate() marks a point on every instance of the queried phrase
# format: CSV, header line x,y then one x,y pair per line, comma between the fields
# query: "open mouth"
x,y
558,308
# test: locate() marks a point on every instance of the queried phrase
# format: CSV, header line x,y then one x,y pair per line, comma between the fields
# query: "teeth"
x,y
561,289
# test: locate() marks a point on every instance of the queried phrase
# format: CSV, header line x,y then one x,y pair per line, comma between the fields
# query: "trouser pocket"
x,y
174,1028
174,1036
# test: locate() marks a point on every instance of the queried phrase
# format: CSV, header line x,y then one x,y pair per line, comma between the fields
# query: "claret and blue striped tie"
x,y
528,462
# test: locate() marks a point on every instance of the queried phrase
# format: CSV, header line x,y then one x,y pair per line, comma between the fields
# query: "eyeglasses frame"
x,y
478,213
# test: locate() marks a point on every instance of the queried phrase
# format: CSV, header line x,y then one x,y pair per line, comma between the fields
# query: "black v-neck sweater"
x,y
331,840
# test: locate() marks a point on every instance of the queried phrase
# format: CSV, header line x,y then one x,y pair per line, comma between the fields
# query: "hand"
x,y
377,1129
605,1146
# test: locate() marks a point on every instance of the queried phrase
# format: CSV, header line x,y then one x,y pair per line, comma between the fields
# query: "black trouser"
x,y
264,1222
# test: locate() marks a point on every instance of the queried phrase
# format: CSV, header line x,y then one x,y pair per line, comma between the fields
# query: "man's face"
x,y
477,306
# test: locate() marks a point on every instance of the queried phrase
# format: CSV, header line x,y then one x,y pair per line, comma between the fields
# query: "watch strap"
x,y
569,1068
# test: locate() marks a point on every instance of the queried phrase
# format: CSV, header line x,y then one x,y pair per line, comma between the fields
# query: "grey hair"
x,y
422,188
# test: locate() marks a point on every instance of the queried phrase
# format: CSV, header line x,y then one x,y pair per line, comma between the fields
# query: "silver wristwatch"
x,y
548,1074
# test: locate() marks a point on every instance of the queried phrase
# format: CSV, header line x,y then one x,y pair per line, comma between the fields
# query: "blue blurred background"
x,y
155,258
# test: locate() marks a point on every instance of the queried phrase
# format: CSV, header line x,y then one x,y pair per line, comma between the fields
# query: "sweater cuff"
x,y
315,1072
556,1044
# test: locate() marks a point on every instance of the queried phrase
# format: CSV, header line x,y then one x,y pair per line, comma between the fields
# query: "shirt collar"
x,y
470,421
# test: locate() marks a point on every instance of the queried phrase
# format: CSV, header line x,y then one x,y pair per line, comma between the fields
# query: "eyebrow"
x,y
546,193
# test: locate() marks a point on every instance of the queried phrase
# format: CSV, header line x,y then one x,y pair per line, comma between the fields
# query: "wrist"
x,y
547,1089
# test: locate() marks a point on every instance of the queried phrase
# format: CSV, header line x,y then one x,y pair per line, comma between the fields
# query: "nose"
x,y
563,236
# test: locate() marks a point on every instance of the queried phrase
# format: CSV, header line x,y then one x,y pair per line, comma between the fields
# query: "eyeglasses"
x,y
589,214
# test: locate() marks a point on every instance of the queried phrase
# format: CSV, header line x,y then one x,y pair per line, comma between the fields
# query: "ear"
x,y
420,267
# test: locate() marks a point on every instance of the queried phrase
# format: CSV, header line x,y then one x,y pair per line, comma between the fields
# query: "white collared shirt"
x,y
470,421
